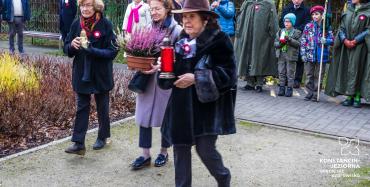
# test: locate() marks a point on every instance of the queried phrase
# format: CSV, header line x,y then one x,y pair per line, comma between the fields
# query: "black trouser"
x,y
82,116
16,28
206,149
299,70
145,139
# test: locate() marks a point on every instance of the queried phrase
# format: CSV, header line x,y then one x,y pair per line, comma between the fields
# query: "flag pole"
x,y
322,50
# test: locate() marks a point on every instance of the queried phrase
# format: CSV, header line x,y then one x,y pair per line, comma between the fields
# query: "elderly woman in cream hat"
x,y
91,42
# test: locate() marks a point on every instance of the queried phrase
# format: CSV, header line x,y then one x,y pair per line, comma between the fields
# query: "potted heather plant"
x,y
141,47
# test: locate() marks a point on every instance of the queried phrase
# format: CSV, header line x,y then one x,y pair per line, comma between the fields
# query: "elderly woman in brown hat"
x,y
195,115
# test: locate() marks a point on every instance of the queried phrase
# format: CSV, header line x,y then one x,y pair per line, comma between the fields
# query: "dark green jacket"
x,y
350,71
292,45
257,25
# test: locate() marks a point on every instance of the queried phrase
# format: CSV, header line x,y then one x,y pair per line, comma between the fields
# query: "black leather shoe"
x,y
308,97
314,98
161,160
296,84
259,89
348,102
140,163
289,92
281,91
357,104
76,148
247,87
99,144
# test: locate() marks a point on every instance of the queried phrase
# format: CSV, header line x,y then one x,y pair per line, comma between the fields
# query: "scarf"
x,y
134,16
88,24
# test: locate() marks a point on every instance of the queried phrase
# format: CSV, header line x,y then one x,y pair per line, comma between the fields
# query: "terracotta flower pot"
x,y
140,63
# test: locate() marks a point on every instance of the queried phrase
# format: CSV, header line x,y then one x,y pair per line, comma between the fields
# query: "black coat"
x,y
100,54
302,14
66,16
186,117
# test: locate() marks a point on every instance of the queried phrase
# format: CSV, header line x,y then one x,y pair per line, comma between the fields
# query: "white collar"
x,y
134,5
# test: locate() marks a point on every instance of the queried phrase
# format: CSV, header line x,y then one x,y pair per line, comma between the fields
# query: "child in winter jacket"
x,y
287,44
311,43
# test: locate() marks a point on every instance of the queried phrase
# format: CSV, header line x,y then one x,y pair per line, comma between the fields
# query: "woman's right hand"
x,y
76,43
154,69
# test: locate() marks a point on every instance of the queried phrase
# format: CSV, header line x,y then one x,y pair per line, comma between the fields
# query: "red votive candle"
x,y
167,59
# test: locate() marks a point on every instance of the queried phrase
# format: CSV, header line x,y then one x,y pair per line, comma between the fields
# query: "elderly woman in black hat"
x,y
91,42
195,115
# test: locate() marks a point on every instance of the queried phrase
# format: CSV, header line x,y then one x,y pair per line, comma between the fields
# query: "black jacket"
x,y
302,14
67,14
186,117
100,54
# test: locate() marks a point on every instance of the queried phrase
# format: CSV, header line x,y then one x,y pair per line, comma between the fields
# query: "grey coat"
x,y
293,44
151,105
350,71
257,25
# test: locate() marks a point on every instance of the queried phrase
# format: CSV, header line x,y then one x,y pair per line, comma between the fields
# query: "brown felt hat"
x,y
196,6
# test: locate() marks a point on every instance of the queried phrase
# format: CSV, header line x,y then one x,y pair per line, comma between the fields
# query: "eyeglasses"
x,y
156,9
89,6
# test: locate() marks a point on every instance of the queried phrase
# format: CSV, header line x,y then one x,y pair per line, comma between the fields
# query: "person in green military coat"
x,y
350,72
257,25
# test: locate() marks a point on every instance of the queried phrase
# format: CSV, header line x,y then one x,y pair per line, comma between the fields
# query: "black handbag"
x,y
205,86
139,82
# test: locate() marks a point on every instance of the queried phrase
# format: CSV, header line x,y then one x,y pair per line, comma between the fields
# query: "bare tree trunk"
x,y
278,6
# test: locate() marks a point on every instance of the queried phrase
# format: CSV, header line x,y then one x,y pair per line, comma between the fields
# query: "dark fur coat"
x,y
186,117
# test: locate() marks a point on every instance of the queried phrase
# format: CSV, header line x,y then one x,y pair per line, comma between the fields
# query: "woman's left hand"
x,y
185,80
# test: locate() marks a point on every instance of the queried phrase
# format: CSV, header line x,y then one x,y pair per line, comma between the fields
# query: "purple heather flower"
x,y
145,42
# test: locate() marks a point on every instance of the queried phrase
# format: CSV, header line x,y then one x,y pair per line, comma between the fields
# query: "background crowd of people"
x,y
304,44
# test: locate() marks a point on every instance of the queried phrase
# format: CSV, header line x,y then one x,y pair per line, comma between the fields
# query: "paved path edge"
x,y
298,130
60,140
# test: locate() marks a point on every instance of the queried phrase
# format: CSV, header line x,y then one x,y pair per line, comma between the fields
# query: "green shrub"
x,y
16,77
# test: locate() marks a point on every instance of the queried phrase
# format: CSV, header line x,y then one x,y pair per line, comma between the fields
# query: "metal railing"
x,y
45,15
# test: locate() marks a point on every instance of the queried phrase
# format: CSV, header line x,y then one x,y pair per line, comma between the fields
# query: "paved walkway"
x,y
327,116
29,49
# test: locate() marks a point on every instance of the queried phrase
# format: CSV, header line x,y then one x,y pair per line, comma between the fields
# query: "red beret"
x,y
317,8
